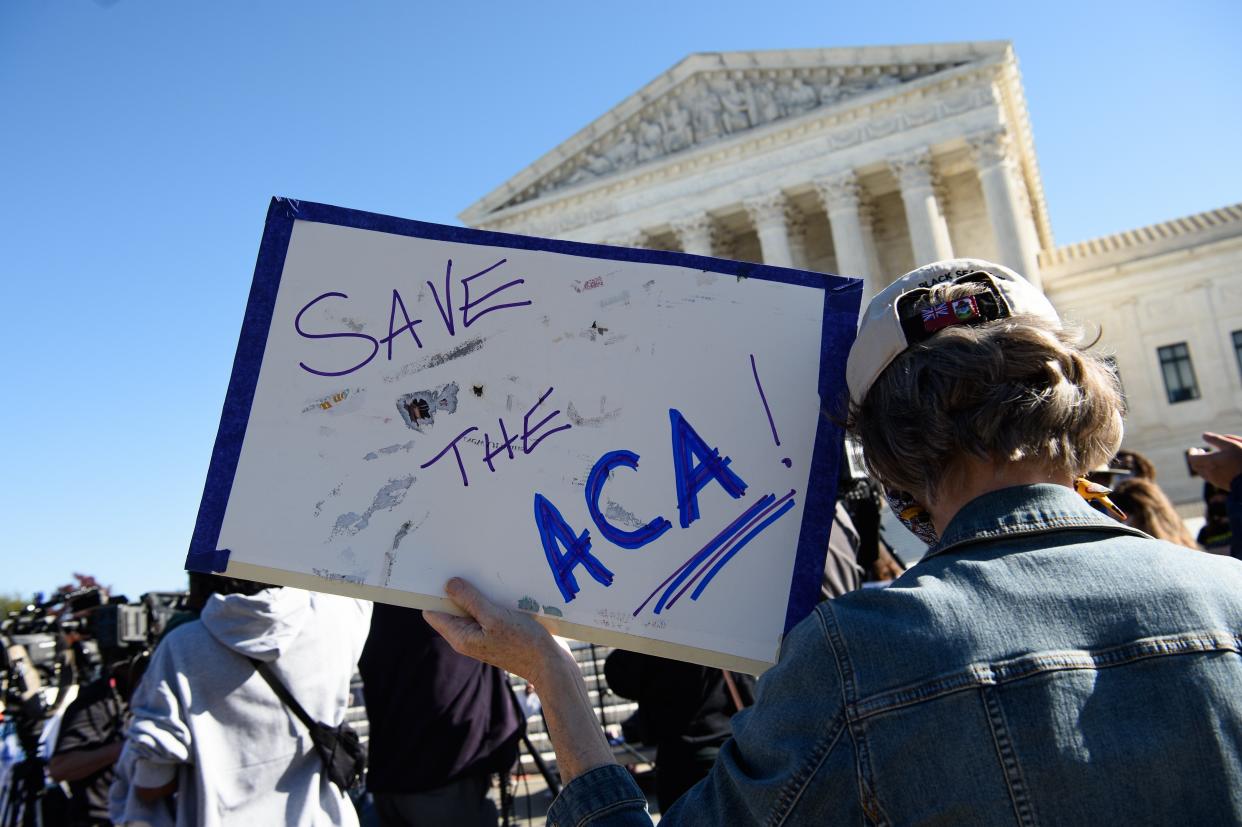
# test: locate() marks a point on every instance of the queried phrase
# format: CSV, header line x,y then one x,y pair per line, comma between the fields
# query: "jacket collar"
x,y
1024,510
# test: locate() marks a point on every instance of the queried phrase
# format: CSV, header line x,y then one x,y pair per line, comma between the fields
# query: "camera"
x,y
51,644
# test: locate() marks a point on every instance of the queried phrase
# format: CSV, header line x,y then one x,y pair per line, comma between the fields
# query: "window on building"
x,y
1237,347
1179,374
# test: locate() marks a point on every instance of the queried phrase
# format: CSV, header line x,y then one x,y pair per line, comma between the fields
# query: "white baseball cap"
x,y
894,322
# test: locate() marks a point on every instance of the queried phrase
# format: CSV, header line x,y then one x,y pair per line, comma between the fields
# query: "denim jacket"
x,y
1043,664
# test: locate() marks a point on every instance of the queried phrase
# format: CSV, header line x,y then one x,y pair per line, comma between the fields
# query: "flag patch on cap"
x,y
958,311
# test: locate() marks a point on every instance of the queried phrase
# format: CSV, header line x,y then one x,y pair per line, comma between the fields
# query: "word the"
x,y
471,310
695,465
530,436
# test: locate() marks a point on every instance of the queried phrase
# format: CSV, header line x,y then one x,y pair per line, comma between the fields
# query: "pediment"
x,y
709,98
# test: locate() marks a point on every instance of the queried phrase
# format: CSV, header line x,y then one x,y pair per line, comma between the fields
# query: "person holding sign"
x,y
1043,663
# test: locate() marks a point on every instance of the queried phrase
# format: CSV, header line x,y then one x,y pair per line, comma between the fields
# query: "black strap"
x,y
265,669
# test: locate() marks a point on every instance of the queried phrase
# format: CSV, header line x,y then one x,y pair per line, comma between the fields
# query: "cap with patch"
x,y
898,316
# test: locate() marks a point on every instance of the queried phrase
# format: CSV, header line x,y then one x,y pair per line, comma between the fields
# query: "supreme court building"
x,y
868,161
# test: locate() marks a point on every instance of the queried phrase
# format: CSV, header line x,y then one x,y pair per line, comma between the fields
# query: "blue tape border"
x,y
842,297
841,306
204,556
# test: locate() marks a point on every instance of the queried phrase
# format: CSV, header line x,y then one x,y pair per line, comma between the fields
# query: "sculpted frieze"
x,y
713,106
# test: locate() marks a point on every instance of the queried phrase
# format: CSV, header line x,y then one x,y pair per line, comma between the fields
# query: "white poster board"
x,y
628,442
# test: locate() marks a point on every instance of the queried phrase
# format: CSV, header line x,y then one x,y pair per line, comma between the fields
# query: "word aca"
x,y
695,466
470,311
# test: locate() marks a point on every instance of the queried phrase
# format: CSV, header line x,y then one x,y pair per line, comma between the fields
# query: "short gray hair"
x,y
1019,388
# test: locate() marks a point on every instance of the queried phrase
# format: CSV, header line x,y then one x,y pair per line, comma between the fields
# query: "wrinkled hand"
x,y
1221,466
509,639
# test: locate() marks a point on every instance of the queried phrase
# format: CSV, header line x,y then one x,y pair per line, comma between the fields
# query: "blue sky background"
x,y
141,141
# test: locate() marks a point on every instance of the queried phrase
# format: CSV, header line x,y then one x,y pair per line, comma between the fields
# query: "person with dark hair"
x,y
1043,662
1216,534
211,742
684,710
88,743
442,725
1139,466
1221,467
1149,510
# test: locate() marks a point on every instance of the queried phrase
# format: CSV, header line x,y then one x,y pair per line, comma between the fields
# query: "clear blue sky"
x,y
141,141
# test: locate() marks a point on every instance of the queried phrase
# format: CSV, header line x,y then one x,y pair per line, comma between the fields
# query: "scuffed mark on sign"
x,y
390,449
344,578
609,619
589,284
333,493
348,569
390,556
617,514
386,499
464,349
571,413
594,331
333,401
419,409
552,611
528,604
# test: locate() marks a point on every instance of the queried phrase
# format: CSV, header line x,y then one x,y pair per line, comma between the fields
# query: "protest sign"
x,y
627,442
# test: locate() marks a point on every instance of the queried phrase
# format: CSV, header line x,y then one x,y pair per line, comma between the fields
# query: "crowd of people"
x,y
1058,655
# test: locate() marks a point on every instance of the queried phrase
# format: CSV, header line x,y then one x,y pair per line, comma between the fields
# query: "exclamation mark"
x,y
763,397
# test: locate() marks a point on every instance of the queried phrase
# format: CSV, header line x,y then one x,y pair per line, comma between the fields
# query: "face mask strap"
x,y
913,515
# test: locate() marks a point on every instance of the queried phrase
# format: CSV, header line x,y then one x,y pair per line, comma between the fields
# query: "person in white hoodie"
x,y
210,742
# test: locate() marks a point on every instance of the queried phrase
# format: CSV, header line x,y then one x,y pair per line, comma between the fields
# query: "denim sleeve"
x,y
790,755
605,796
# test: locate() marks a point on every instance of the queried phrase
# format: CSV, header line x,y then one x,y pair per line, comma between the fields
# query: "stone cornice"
x,y
930,66
1143,242
871,117
1013,102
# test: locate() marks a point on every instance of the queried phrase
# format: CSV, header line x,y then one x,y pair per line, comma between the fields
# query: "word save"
x,y
471,309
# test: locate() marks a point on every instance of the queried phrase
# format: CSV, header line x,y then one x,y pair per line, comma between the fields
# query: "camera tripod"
x,y
22,799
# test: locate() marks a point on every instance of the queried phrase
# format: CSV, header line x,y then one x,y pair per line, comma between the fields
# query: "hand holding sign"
x,y
510,639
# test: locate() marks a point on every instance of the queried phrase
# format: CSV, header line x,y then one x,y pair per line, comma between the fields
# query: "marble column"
x,y
767,213
694,232
1001,194
929,234
879,279
842,200
795,224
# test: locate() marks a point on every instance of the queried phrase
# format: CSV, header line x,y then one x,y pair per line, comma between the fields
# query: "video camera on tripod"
x,y
48,646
